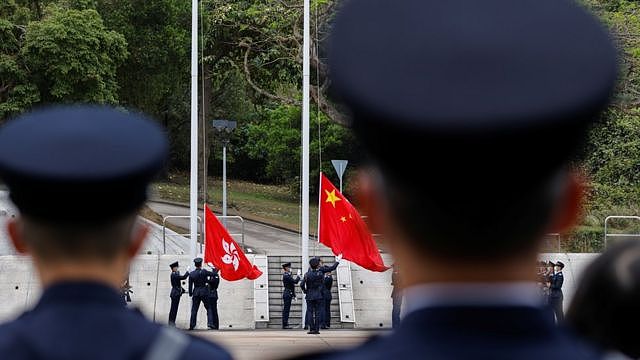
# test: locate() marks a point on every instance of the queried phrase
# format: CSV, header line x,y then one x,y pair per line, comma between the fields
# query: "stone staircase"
x,y
275,294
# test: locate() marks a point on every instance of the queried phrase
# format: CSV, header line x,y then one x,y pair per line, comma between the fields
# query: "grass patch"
x,y
266,203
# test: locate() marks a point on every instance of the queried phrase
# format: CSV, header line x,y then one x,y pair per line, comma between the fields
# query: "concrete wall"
x,y
372,296
150,279
151,287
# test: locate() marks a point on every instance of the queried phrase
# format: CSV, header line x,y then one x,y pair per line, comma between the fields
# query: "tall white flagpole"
x,y
193,195
306,76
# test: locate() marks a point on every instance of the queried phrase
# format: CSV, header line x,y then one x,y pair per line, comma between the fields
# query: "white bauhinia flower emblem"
x,y
231,256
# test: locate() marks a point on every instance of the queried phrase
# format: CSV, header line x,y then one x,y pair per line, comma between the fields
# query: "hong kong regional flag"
x,y
223,252
343,230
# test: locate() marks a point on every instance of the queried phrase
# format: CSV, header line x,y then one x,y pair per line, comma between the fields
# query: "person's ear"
x,y
369,200
14,228
569,209
140,233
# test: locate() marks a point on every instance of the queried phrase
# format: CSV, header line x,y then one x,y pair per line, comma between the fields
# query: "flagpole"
x,y
319,204
306,76
204,229
193,198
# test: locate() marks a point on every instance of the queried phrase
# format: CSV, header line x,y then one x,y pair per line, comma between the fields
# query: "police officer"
x,y
312,287
555,291
199,293
396,297
473,89
213,282
323,269
288,293
176,291
326,298
79,175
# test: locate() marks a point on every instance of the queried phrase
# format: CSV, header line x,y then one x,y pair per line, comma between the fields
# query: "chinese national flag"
x,y
223,252
343,230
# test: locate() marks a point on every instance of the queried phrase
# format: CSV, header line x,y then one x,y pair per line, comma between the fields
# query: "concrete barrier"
x,y
372,296
150,279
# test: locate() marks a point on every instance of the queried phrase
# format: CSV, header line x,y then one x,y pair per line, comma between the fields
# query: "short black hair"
x,y
98,241
477,222
605,305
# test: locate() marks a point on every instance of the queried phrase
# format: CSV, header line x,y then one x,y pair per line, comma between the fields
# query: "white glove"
x,y
339,257
210,265
298,272
188,268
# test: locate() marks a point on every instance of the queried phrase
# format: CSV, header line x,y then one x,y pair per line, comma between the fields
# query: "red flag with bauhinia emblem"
x,y
223,252
343,230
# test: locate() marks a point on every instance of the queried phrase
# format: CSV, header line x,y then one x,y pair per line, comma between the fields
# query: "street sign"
x,y
340,166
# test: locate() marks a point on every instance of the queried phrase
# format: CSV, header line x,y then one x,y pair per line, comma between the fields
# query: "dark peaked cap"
x,y
471,80
80,164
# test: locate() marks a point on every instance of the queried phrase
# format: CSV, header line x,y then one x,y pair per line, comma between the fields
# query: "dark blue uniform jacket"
x,y
87,321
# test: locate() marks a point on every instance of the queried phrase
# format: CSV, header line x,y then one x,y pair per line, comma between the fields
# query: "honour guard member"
x,y
289,292
471,88
79,175
326,298
199,293
555,291
176,291
212,283
312,287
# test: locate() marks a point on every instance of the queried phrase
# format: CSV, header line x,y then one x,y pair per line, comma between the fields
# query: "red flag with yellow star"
x,y
343,230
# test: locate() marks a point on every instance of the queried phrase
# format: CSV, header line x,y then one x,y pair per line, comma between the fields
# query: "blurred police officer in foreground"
x,y
495,97
555,291
605,307
288,292
176,291
199,293
78,175
213,281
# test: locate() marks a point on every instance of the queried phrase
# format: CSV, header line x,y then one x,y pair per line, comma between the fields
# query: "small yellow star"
x,y
331,197
343,219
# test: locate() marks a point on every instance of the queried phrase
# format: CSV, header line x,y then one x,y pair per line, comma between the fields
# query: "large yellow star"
x,y
331,197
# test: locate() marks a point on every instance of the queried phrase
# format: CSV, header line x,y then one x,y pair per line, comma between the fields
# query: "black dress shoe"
x,y
190,328
286,327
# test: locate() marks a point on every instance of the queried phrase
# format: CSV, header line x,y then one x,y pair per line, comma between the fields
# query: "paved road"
x,y
274,344
258,237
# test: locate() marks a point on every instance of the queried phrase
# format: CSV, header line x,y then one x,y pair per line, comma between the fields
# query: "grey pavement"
x,y
278,344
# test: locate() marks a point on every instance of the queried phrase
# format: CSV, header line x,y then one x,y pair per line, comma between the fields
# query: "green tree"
x,y
17,92
72,57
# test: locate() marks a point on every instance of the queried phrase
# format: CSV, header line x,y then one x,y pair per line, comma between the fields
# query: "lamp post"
x,y
224,127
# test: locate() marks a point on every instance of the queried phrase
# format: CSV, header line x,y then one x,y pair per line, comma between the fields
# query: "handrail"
x,y
606,227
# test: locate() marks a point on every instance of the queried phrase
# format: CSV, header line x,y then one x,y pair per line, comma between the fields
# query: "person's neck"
x,y
429,270
110,275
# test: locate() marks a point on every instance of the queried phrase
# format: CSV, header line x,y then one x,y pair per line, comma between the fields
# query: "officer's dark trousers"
x,y
195,305
175,301
326,312
212,313
395,311
314,307
556,305
286,300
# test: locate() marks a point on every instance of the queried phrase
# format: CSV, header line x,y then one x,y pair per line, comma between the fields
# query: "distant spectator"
x,y
606,306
